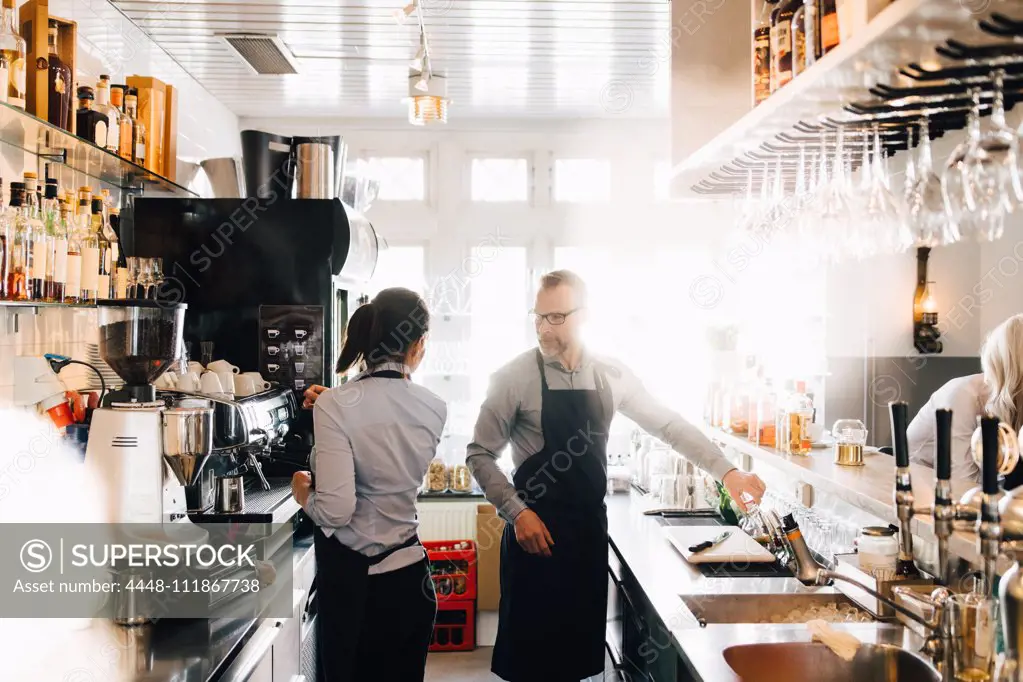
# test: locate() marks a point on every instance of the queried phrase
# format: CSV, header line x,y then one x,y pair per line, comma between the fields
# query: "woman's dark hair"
x,y
384,329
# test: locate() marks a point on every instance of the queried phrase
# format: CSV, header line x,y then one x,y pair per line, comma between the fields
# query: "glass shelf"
x,y
43,304
35,136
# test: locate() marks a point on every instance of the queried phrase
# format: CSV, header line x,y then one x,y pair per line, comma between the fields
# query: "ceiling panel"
x,y
526,58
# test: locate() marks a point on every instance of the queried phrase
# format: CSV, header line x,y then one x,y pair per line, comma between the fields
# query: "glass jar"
x,y
461,479
436,477
850,438
878,548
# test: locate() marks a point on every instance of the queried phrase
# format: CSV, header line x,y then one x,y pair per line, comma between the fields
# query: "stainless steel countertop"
x,y
97,650
665,577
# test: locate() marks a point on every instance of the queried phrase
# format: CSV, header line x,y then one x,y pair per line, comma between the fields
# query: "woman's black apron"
x,y
554,609
342,575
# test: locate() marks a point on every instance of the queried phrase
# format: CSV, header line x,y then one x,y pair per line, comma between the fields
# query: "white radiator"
x,y
447,520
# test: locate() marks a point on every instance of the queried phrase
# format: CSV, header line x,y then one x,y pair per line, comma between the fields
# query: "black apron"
x,y
347,571
554,609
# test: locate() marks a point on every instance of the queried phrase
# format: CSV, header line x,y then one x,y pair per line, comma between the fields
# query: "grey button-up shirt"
x,y
374,441
511,414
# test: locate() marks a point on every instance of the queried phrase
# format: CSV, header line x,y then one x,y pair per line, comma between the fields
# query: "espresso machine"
x,y
135,438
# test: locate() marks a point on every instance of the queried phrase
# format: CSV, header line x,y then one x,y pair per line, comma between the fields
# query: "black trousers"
x,y
374,628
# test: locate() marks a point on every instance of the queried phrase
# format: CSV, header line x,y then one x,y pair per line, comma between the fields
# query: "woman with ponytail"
x,y
375,437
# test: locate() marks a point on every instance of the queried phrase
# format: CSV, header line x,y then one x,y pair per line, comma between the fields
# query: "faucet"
x,y
904,501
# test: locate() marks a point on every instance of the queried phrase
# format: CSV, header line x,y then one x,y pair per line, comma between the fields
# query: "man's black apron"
x,y
554,609
342,576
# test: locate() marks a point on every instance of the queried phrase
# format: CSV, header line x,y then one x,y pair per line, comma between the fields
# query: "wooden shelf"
x,y
904,32
36,136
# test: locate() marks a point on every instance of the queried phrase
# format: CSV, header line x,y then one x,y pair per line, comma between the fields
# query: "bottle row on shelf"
x,y
58,247
768,416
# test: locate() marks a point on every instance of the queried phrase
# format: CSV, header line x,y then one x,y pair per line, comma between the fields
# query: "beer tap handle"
x,y
989,527
944,509
904,502
900,421
989,468
943,445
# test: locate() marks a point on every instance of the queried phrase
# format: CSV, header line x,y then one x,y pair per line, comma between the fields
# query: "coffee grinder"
x,y
132,434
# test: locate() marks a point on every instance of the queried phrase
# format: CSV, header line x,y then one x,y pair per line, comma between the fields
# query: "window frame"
x,y
553,179
364,156
527,156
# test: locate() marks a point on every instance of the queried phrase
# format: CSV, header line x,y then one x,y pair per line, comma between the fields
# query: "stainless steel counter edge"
x,y
664,576
870,487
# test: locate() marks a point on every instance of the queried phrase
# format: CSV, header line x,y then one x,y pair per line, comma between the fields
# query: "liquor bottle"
x,y
139,136
12,58
20,245
91,257
92,125
112,113
40,275
61,83
6,238
762,53
120,262
73,289
103,281
799,416
127,130
781,43
766,415
58,241
828,33
801,56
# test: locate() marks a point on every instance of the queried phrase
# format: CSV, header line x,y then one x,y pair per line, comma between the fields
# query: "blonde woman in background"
x,y
998,390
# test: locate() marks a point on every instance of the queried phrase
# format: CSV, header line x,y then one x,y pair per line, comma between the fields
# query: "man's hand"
x,y
301,485
532,535
738,482
311,394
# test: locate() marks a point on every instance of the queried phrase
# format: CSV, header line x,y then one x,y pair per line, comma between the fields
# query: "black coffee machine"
x,y
269,281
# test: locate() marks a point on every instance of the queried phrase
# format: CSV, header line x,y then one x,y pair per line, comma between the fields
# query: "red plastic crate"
x,y
455,629
456,566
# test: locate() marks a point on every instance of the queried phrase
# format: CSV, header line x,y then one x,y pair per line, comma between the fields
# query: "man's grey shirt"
x,y
511,414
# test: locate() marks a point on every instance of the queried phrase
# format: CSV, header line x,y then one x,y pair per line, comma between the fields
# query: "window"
x,y
399,266
401,178
582,180
500,180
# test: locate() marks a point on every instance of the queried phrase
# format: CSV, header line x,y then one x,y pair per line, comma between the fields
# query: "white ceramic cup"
x,y
258,382
210,384
226,381
244,386
189,382
196,367
299,366
222,366
273,368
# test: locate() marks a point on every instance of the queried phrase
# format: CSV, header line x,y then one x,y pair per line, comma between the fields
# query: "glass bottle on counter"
x,y
767,406
781,430
139,135
91,124
762,52
799,417
19,246
73,288
111,115
781,43
101,229
127,130
752,420
12,58
91,257
58,241
60,84
40,260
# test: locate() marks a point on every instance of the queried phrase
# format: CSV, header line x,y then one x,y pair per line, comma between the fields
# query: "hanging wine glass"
x,y
835,215
926,205
883,209
961,220
990,166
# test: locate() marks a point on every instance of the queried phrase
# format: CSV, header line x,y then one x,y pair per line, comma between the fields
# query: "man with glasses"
x,y
554,405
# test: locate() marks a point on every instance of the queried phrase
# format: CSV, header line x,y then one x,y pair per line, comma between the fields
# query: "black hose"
x,y
102,383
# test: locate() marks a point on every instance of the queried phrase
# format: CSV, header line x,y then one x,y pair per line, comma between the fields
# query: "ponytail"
x,y
358,338
385,329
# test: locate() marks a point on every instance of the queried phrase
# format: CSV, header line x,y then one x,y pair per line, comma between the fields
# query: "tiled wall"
x,y
65,331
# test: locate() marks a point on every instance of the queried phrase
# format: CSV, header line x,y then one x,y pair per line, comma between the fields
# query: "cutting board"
x,y
739,547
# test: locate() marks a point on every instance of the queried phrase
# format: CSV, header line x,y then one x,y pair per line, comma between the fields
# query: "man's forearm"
x,y
496,486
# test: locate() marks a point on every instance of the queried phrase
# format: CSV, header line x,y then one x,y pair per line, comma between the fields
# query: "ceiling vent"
x,y
265,53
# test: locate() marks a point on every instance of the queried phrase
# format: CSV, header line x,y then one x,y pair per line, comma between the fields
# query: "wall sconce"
x,y
926,335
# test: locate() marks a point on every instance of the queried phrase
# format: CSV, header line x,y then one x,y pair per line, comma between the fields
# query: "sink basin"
x,y
761,608
784,662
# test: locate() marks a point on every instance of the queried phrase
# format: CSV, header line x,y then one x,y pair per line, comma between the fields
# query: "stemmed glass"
x,y
990,169
134,275
927,215
834,217
961,219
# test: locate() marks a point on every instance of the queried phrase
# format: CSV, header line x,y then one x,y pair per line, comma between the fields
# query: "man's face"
x,y
554,339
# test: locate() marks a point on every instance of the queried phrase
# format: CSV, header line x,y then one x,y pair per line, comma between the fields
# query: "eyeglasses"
x,y
552,318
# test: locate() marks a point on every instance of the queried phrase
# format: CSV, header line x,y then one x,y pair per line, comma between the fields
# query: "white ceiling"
x,y
506,58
